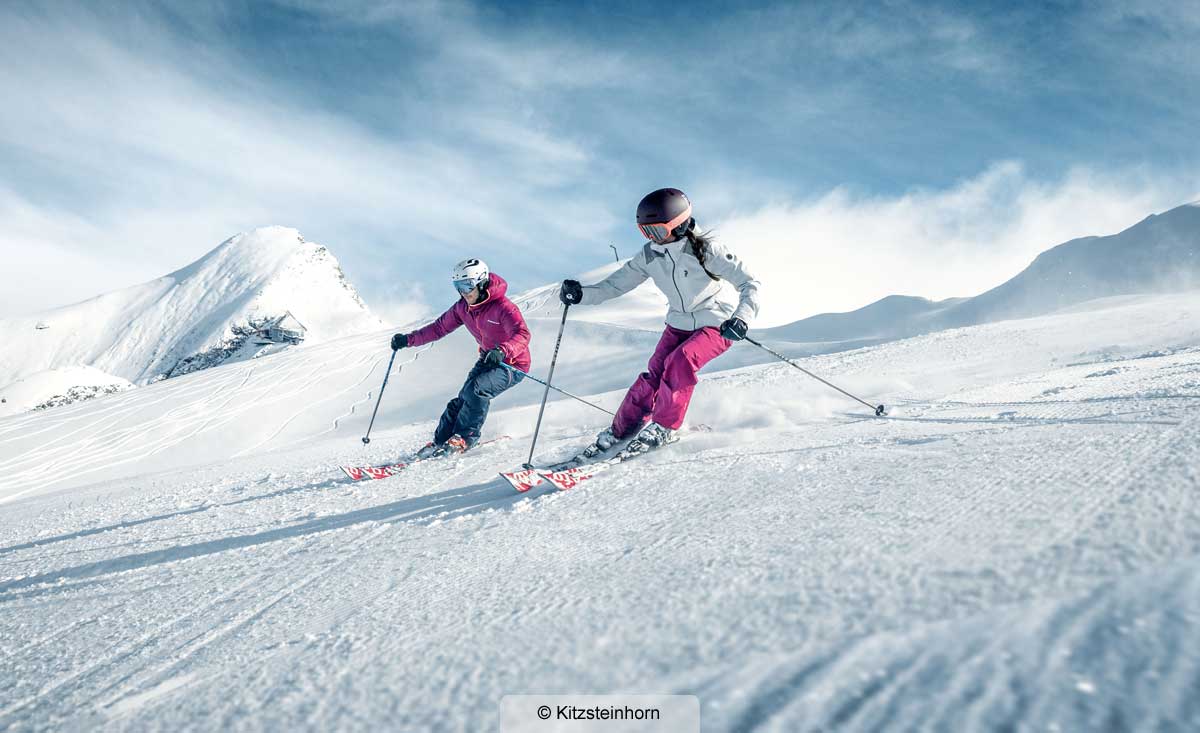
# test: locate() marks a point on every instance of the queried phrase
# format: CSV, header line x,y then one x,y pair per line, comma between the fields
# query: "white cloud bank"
x,y
842,251
129,160
124,162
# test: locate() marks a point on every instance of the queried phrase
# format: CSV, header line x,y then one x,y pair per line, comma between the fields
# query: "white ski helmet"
x,y
470,274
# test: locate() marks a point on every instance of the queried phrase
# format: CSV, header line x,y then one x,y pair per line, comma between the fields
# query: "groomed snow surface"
x,y
1016,547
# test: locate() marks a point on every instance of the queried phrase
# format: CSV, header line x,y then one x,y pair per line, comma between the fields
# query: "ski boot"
x,y
429,451
604,441
456,444
650,437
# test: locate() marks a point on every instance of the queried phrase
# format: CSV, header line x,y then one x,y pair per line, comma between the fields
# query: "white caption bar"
x,y
600,714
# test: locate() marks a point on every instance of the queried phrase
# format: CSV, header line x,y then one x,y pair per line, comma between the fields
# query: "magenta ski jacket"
x,y
495,322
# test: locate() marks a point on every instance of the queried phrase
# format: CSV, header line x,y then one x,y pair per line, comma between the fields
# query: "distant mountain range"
x,y
1160,253
220,308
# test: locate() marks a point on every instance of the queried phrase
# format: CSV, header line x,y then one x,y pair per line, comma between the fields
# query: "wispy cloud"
x,y
171,148
406,135
843,250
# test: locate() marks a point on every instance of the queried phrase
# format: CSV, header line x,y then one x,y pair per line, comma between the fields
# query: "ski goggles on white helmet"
x,y
659,233
469,274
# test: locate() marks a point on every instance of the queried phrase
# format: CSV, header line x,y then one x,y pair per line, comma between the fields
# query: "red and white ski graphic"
x,y
569,478
361,473
523,480
572,477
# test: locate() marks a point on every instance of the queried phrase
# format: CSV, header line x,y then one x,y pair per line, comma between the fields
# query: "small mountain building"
x,y
286,329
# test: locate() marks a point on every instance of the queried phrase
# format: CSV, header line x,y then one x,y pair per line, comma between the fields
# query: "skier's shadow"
x,y
324,484
444,505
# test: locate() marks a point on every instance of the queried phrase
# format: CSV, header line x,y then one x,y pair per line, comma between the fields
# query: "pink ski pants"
x,y
664,390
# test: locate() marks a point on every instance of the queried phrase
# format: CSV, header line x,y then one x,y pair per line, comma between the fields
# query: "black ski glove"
x,y
399,341
571,293
493,358
734,329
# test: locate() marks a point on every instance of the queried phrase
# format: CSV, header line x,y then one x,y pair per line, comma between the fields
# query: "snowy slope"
x,y
57,387
144,332
1016,547
1124,656
1159,254
326,389
285,399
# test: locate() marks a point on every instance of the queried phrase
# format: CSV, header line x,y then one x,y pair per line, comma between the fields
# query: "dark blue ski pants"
x,y
464,415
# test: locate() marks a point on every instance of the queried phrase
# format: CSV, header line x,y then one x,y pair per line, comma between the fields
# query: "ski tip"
x,y
523,480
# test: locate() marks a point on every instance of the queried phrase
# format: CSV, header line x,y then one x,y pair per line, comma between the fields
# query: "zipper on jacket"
x,y
682,305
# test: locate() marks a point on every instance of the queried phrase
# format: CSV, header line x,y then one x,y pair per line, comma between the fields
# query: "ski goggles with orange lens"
x,y
659,233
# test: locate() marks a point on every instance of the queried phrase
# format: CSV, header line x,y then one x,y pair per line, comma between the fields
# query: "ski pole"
x,y
549,378
880,410
515,370
367,438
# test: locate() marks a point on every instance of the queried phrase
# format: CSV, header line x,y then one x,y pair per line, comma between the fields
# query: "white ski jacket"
x,y
695,297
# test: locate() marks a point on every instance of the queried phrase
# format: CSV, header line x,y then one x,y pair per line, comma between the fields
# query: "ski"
x,y
359,473
571,477
362,473
583,459
527,478
522,480
530,476
579,467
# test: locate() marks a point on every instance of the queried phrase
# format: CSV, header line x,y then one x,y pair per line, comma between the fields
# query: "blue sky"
x,y
848,150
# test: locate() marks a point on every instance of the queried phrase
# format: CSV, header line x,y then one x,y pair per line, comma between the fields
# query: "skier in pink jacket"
x,y
503,338
701,323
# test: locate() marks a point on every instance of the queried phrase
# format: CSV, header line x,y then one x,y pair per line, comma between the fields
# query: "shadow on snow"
x,y
449,504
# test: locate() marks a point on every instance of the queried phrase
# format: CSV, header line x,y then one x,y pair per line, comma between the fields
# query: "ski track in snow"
x,y
354,405
369,396
103,449
312,380
985,557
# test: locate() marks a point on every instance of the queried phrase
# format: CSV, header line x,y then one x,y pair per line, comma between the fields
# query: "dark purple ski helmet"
x,y
664,214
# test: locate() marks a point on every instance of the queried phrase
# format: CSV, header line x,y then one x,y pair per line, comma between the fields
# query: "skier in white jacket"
x,y
687,267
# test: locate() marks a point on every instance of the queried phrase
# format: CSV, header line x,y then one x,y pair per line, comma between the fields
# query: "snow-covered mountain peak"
x,y
274,257
218,308
262,249
280,271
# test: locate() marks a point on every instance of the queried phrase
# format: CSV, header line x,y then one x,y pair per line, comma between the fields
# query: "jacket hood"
x,y
497,288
